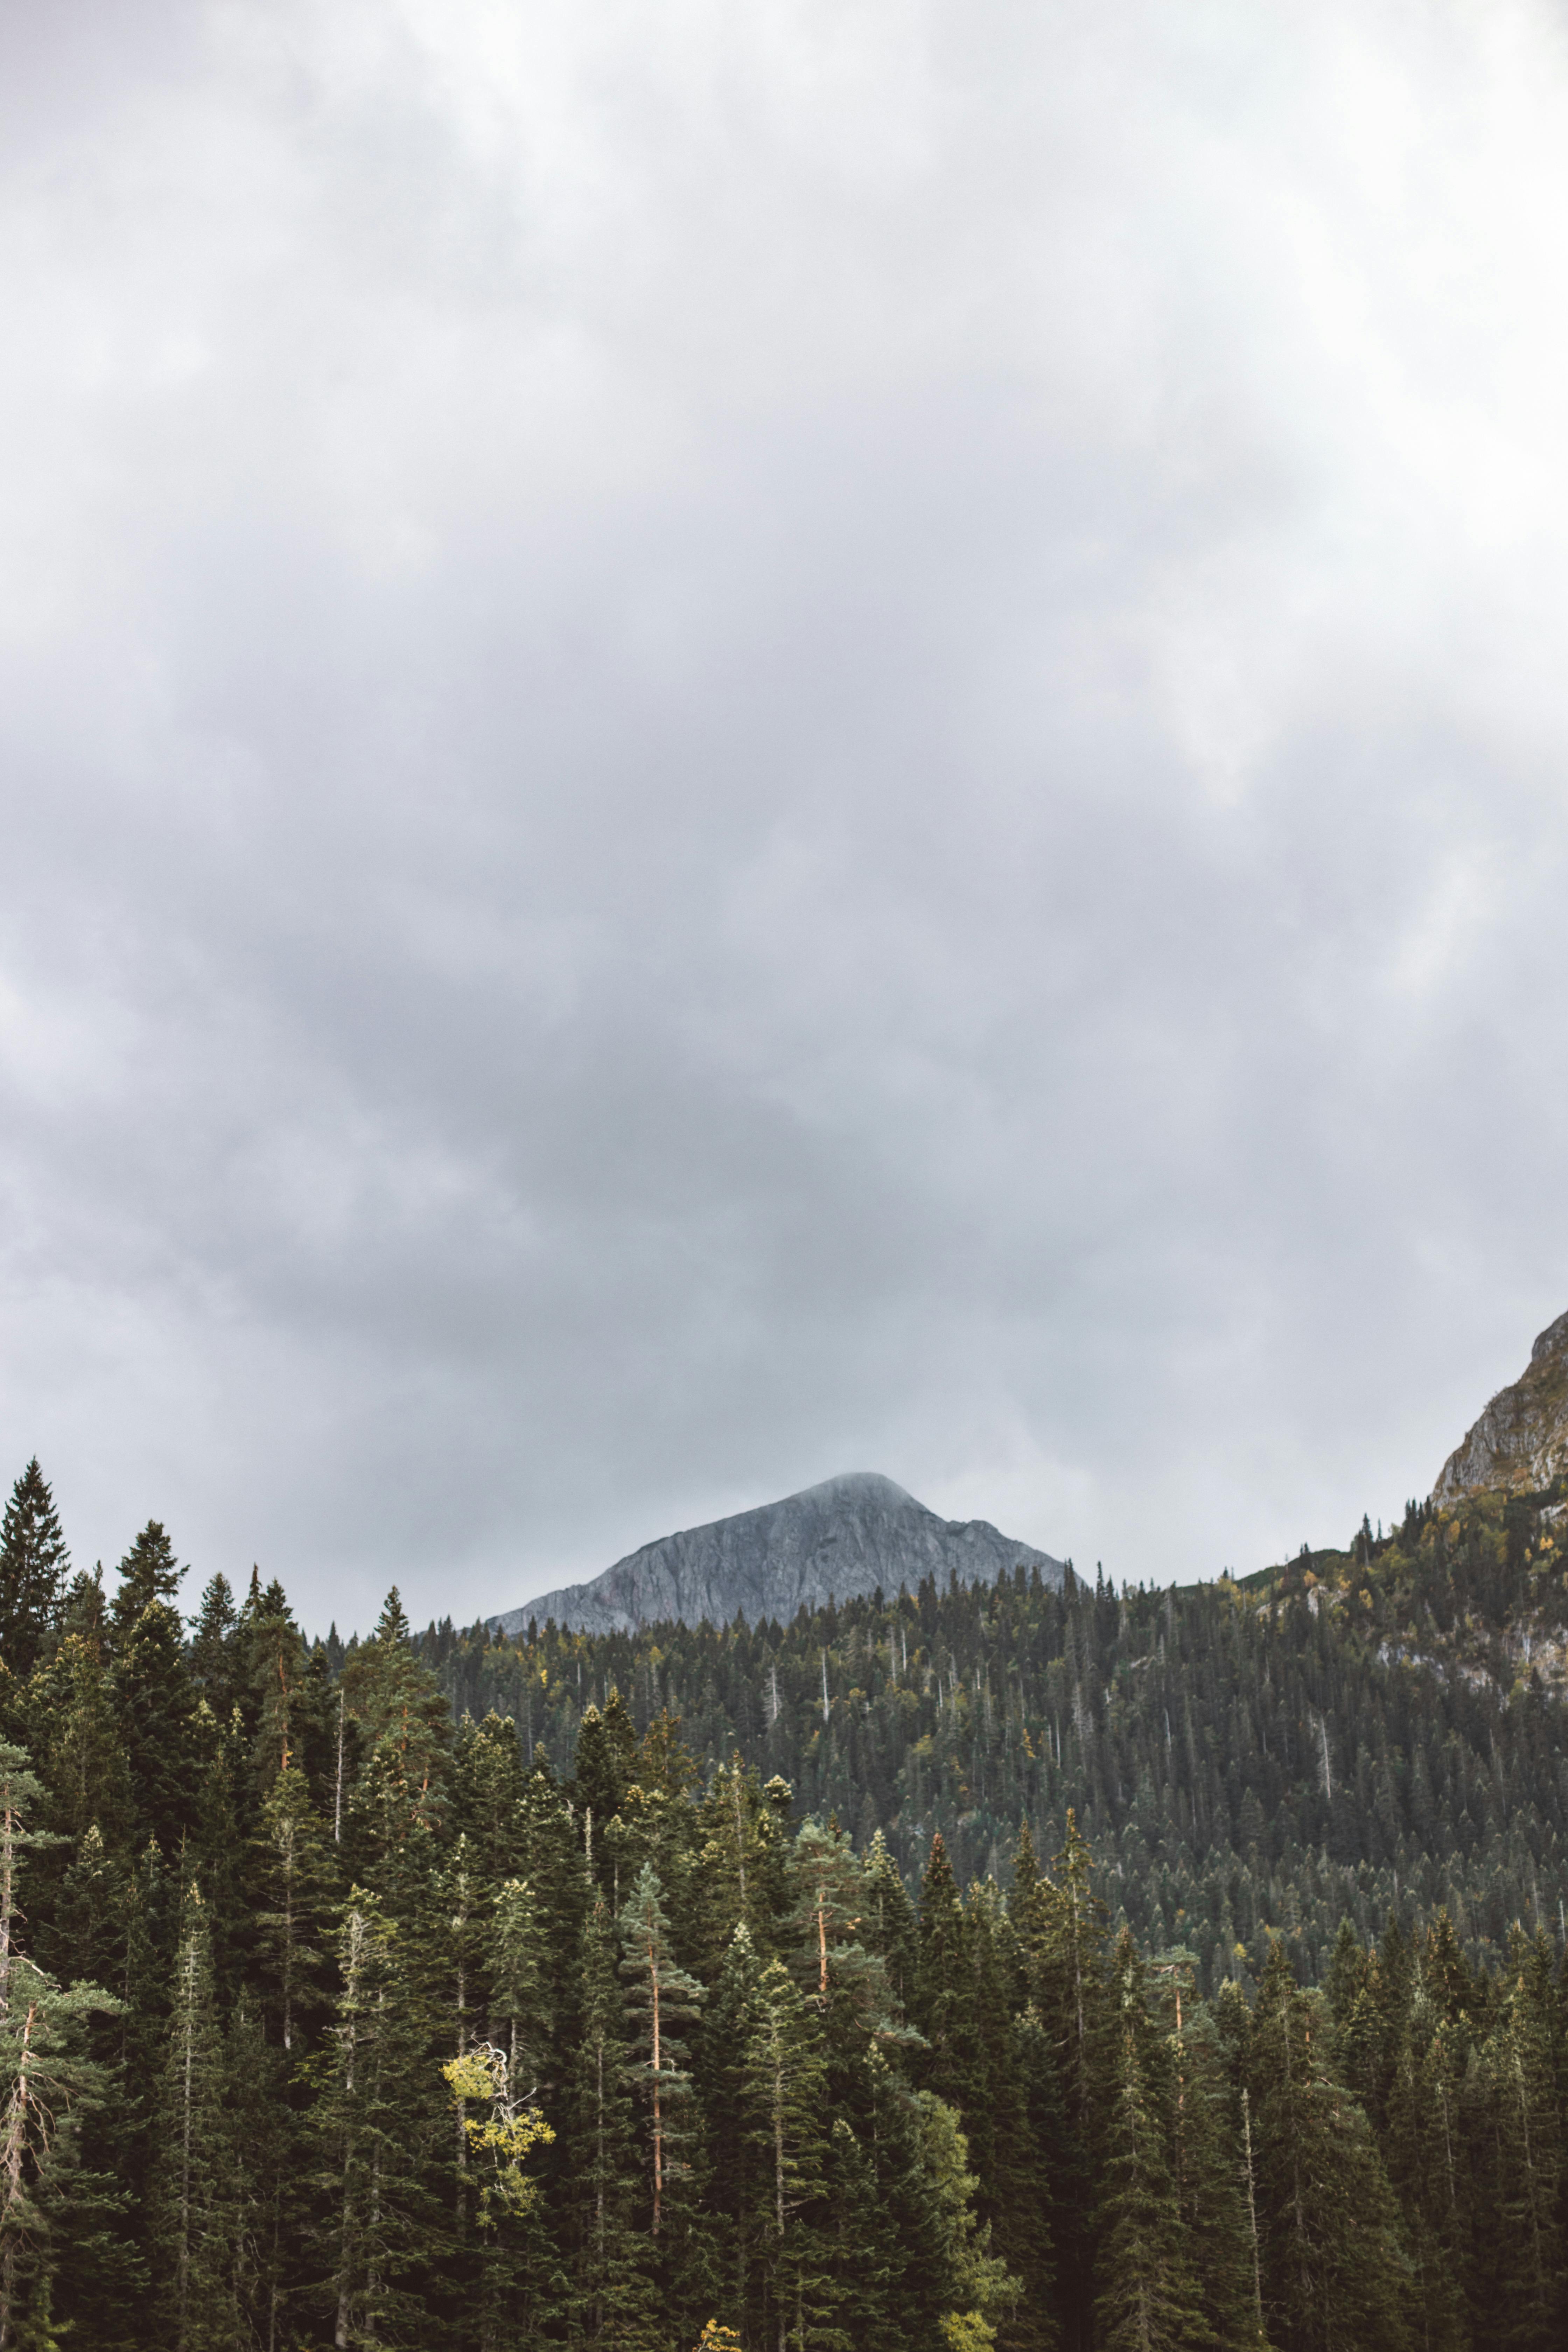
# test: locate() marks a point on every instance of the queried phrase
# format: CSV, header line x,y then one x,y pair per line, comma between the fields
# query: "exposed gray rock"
x,y
1521,1439
835,1541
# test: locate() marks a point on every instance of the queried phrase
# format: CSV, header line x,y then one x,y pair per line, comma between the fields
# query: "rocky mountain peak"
x,y
1521,1439
1554,1340
836,1542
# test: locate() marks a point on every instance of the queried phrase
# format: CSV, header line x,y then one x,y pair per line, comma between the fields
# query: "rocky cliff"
x,y
1521,1439
835,1541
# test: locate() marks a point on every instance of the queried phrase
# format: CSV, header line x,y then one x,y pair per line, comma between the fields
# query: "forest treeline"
x,y
1357,1735
332,2018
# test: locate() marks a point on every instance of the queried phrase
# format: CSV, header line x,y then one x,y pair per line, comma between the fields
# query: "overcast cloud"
x,y
746,741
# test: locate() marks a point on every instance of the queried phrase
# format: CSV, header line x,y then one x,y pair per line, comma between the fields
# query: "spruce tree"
x,y
292,1888
734,2200
864,2259
273,1654
661,1999
1064,1932
488,1794
1148,2299
606,1761
785,2079
214,1666
378,2116
517,1958
155,1698
101,2285
1009,2156
1526,2077
889,1921
148,1573
270,2158
192,2191
742,1863
952,2064
1333,2271
404,1731
1418,2163
615,2299
33,1564
975,2287
1208,2166
75,1731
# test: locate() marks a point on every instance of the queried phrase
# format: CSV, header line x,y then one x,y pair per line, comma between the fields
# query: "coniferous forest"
x,y
1000,1966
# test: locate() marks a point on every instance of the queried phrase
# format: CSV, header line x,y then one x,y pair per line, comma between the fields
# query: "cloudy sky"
x,y
745,741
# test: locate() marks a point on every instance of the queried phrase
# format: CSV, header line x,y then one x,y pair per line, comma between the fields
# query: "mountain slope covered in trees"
x,y
995,1966
1356,1733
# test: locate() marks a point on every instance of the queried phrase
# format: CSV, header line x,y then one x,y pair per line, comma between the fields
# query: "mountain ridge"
x,y
1519,1441
841,1540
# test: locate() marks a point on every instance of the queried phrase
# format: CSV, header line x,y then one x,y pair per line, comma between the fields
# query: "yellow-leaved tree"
x,y
504,2134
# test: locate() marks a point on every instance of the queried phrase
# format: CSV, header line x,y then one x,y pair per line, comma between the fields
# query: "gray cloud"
x,y
765,742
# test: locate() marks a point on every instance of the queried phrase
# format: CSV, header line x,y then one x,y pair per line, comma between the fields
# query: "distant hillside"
x,y
840,1541
1362,1730
1520,1442
1366,1731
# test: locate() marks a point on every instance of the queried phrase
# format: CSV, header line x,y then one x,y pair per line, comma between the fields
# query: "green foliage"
x,y
1245,1762
32,1563
780,2018
192,2199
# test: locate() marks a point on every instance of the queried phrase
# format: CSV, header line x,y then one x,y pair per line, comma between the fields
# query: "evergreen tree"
x,y
1333,2273
488,1794
405,1730
155,1699
975,2286
742,1864
1209,2169
1419,2172
825,1920
944,2004
269,2156
192,2195
377,2117
1063,1933
149,1573
1109,2158
214,1666
100,2287
1148,2299
661,1998
76,1732
22,1794
615,2301
735,2202
784,2076
865,2264
273,1656
1524,2073
606,1762
889,1922
292,1879
33,1564
47,2079
517,1957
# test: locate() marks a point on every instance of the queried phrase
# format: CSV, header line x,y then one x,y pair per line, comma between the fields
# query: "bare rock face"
x,y
1521,1439
839,1541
